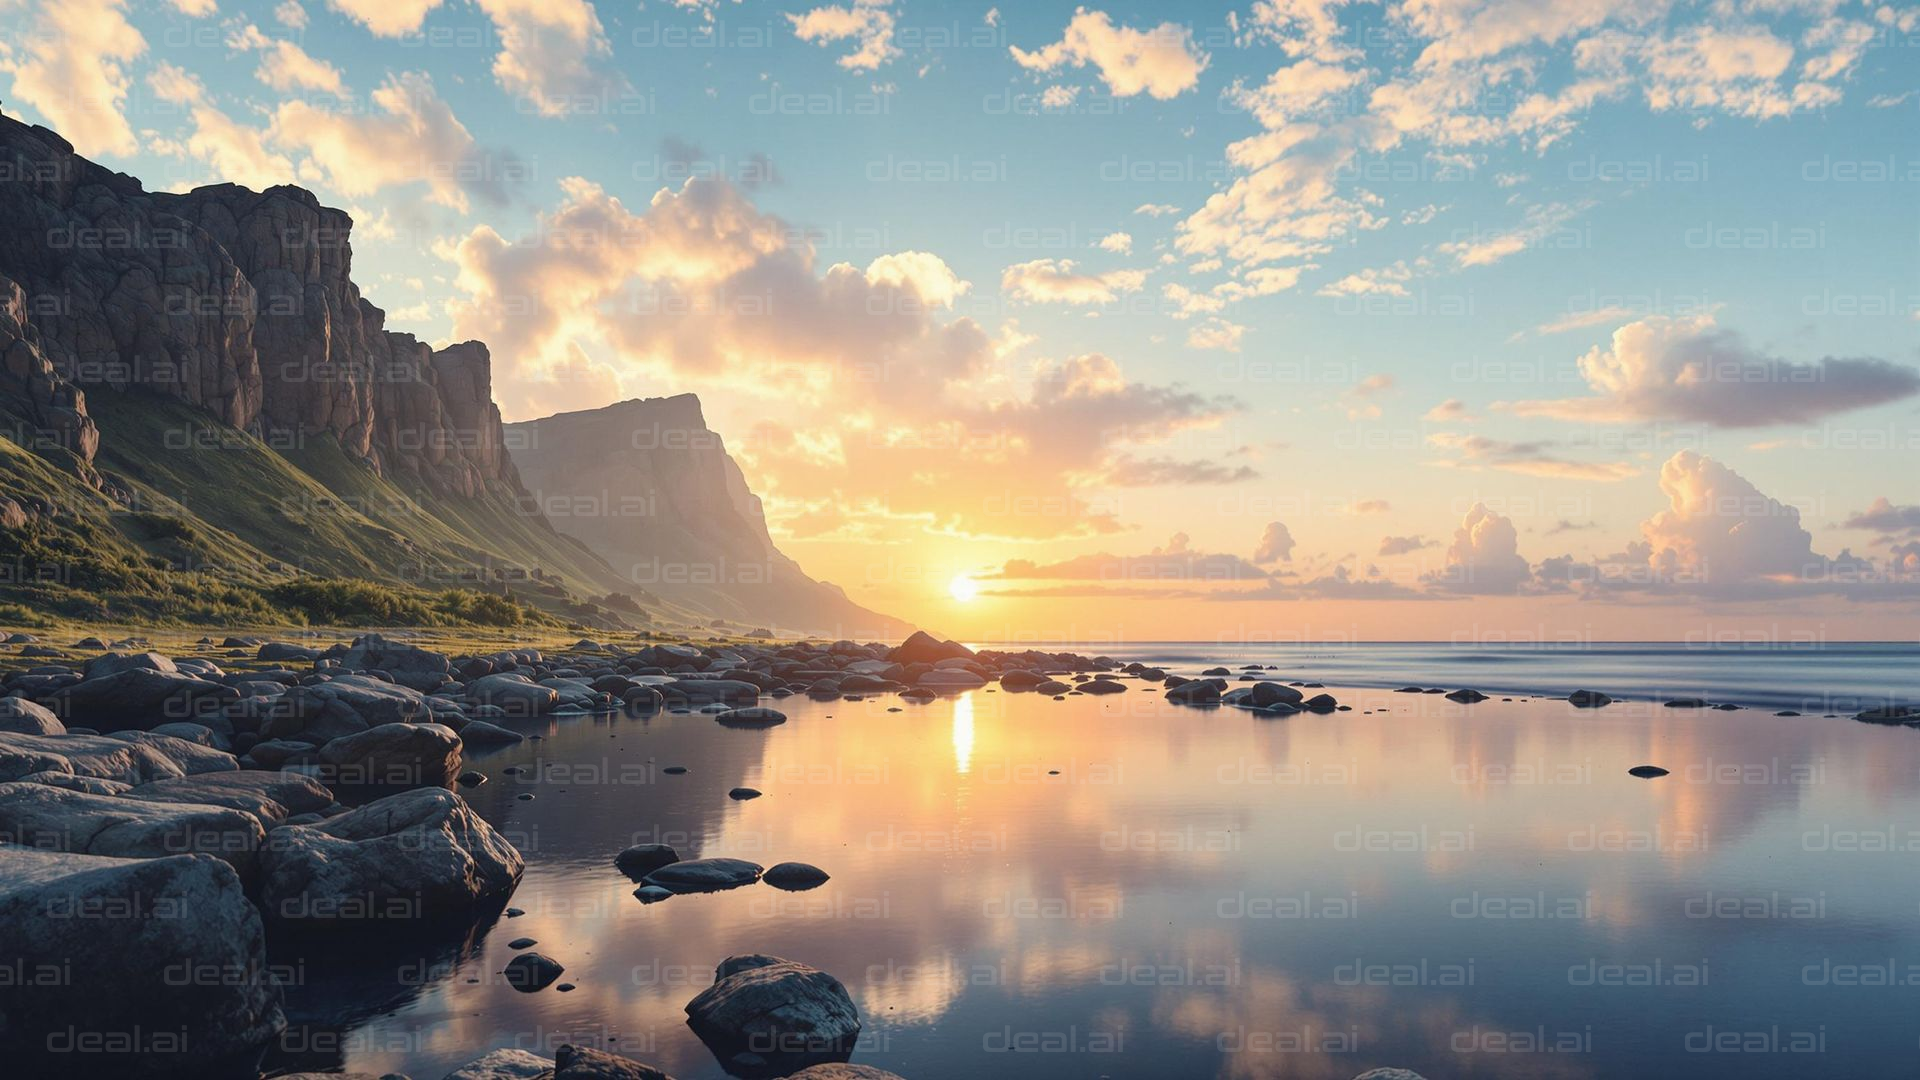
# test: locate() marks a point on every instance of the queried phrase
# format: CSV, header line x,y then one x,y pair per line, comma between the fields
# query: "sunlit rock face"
x,y
651,489
240,303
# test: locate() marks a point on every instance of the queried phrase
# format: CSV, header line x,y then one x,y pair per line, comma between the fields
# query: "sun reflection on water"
x,y
963,733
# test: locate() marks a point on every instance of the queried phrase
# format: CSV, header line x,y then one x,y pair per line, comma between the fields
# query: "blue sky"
x,y
1359,213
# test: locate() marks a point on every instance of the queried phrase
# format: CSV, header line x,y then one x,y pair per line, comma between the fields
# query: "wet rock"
x,y
950,679
120,932
711,691
755,716
516,694
780,1014
642,859
481,733
1588,699
1466,696
652,894
270,797
1687,703
742,794
1646,772
794,876
470,779
583,1063
1890,714
1321,703
416,854
1197,692
1103,686
532,971
704,875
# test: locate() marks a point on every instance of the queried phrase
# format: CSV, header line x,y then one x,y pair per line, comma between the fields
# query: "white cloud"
x,y
1216,334
552,54
387,18
198,9
867,23
1535,458
1541,223
922,273
291,15
72,68
1156,209
1161,62
1719,528
1690,369
1484,558
286,66
1119,243
1450,411
1054,281
233,152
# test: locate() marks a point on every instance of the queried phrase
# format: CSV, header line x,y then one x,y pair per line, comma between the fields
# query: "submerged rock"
x,y
533,971
642,859
1588,699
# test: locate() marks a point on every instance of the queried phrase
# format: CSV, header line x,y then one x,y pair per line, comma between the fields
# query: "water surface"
x,y
1463,890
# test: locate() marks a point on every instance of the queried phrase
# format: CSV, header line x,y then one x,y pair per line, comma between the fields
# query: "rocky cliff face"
x,y
238,302
651,489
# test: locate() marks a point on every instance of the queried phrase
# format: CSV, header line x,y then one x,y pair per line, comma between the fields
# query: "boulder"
x,y
583,1063
533,971
1102,686
704,875
516,694
1197,692
115,662
841,1070
753,716
132,757
924,648
1467,696
23,717
100,945
481,733
342,705
505,1064
711,691
950,679
775,1015
271,797
410,665
57,819
393,755
417,854
136,698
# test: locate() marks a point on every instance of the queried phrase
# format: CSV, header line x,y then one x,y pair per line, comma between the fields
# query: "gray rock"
x,y
133,759
55,819
92,785
271,797
841,1070
705,875
394,755
642,859
533,971
417,854
516,694
116,934
1197,692
23,717
583,1063
115,662
754,716
481,733
410,665
505,1064
784,1013
794,876
136,698
950,680
709,691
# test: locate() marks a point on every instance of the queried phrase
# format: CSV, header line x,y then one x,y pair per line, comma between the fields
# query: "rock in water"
x,y
774,1016
583,1063
705,875
1646,772
1198,692
505,1064
98,945
794,876
642,859
754,716
418,854
394,755
1588,699
1466,697
924,648
532,971
840,1070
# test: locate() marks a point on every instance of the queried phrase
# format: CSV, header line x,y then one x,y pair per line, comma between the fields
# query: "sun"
x,y
963,588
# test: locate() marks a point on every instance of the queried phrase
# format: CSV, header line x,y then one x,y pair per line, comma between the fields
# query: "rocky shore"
x,y
166,813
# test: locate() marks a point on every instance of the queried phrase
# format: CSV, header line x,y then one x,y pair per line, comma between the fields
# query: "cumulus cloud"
x,y
894,418
1719,528
1541,224
1119,243
1401,545
1055,281
552,54
1484,558
291,15
72,67
1450,411
1161,62
1276,544
1156,209
413,138
867,23
1216,334
1536,458
1691,369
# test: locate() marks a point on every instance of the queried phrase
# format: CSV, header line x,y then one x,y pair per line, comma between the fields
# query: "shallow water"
x,y
1809,676
1463,890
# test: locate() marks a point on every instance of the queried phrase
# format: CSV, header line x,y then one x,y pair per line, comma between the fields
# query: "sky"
x,y
1302,320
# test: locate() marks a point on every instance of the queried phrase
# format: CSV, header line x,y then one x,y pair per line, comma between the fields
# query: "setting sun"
x,y
963,588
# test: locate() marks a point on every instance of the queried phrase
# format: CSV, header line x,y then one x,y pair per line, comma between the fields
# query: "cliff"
x,y
651,489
